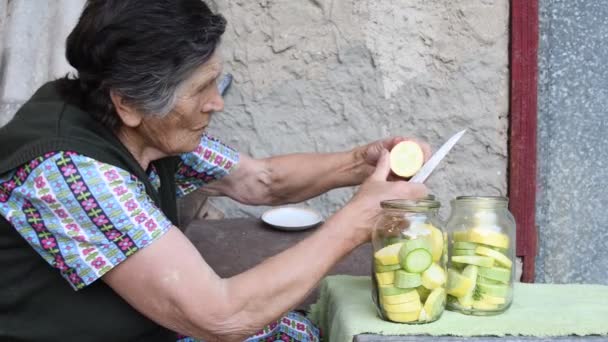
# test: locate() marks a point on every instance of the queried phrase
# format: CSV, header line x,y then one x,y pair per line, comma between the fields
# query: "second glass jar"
x,y
482,254
409,266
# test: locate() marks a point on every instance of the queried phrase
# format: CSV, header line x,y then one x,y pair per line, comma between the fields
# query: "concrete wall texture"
x,y
573,148
327,75
32,43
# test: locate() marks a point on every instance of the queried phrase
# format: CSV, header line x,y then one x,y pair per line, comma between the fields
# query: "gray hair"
x,y
156,94
141,49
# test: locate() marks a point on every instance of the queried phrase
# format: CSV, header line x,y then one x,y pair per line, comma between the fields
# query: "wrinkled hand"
x,y
362,211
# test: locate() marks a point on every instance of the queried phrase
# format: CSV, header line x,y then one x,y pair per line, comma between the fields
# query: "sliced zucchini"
x,y
388,255
482,261
406,280
433,277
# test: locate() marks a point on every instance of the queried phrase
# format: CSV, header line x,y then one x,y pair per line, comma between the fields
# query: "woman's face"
x,y
197,98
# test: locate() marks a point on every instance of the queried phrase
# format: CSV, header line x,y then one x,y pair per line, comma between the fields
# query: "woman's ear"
x,y
129,115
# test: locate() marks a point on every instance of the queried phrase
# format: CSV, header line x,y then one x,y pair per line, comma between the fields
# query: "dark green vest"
x,y
36,303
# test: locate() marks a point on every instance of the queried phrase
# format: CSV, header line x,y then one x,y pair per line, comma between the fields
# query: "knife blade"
x,y
428,167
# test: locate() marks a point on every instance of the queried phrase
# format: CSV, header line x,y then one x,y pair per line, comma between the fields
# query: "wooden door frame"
x,y
523,61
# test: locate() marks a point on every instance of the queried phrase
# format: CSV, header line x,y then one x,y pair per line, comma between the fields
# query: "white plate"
x,y
292,218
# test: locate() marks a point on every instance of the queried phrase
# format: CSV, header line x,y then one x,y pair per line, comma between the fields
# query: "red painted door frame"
x,y
522,136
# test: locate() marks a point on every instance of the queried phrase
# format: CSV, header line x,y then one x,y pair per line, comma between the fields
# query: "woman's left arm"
x,y
297,177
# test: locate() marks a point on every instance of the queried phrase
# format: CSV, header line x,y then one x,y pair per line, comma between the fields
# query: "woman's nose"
x,y
215,103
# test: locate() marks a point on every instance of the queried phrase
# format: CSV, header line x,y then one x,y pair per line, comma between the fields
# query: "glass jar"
x,y
482,255
409,266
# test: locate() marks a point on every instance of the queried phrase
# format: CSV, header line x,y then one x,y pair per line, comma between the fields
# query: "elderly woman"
x,y
90,169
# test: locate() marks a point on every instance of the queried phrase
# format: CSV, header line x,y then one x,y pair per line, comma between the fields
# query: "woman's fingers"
x,y
383,167
411,190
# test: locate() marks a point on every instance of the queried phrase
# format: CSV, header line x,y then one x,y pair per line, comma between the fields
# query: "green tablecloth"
x,y
345,309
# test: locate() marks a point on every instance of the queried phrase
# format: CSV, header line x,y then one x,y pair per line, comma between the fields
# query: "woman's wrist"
x,y
348,226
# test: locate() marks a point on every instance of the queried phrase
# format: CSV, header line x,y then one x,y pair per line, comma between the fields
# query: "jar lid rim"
x,y
483,198
410,204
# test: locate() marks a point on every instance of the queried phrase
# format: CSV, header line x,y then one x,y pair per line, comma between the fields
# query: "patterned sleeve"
x,y
210,161
82,216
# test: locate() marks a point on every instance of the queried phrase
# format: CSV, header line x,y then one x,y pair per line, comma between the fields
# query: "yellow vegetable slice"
x,y
385,278
493,300
388,255
403,317
458,285
444,258
413,306
406,158
410,296
500,258
381,268
436,240
435,304
471,272
433,277
488,237
482,305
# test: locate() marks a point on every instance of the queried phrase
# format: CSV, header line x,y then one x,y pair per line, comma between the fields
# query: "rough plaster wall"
x,y
326,75
32,45
573,149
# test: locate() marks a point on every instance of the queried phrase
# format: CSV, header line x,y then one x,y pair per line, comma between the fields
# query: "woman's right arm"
x,y
170,283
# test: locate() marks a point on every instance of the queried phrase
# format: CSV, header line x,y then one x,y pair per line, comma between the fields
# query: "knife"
x,y
431,164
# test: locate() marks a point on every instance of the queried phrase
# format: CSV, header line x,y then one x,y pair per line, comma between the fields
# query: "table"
x,y
345,312
231,246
